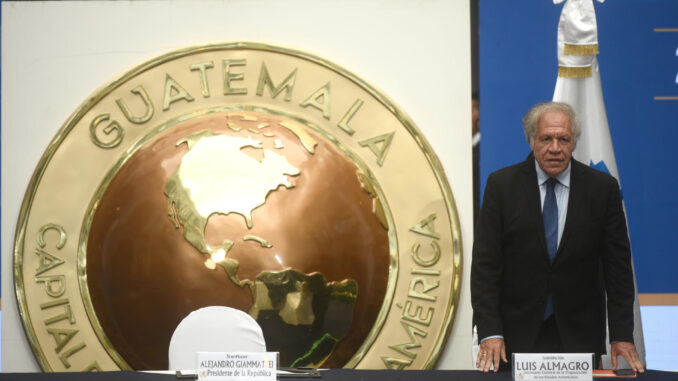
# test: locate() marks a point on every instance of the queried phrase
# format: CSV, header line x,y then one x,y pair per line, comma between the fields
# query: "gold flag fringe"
x,y
575,72
580,50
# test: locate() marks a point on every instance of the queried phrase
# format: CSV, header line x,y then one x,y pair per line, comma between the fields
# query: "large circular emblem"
x,y
241,175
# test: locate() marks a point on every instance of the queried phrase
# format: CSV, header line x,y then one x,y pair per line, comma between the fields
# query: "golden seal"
x,y
242,175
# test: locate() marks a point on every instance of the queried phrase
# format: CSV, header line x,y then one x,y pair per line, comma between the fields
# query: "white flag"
x,y
578,84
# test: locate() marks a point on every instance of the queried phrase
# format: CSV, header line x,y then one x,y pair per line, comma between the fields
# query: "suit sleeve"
x,y
486,266
616,258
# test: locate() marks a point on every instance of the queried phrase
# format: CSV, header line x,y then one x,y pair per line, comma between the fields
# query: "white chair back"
x,y
213,329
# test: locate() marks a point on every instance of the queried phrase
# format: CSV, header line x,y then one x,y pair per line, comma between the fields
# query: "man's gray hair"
x,y
531,119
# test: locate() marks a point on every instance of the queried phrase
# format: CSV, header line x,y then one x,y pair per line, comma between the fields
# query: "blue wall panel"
x,y
518,67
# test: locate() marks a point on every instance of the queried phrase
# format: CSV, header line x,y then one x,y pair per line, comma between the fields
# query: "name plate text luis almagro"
x,y
552,366
237,366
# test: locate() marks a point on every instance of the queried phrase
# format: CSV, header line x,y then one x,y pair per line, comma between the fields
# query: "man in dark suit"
x,y
551,243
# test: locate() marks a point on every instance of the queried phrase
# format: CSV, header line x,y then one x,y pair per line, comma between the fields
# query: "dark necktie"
x,y
550,214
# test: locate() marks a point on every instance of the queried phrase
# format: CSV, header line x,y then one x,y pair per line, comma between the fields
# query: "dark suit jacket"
x,y
511,275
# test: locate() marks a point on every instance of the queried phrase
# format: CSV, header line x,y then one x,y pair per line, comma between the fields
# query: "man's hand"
x,y
628,351
491,350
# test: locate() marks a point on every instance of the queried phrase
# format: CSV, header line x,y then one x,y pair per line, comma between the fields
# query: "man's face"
x,y
553,143
475,116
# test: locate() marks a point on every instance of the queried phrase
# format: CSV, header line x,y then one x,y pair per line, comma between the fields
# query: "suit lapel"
x,y
534,200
